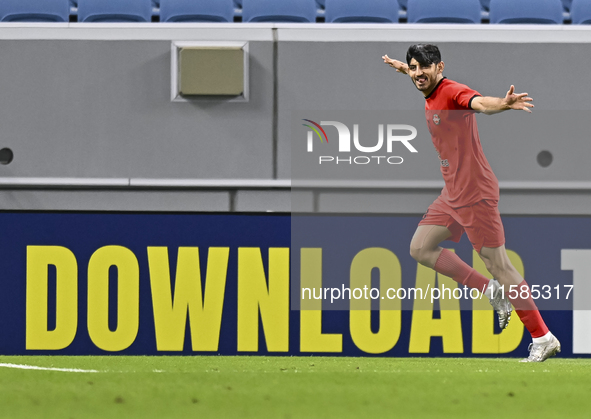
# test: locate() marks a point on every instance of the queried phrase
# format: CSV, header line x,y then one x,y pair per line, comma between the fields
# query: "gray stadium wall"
x,y
86,110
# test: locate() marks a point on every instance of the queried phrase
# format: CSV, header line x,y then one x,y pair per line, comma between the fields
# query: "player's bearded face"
x,y
424,77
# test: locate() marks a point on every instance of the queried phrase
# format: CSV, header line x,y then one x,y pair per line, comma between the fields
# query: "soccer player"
x,y
468,202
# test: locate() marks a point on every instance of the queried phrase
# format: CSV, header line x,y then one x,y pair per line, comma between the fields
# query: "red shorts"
x,y
481,222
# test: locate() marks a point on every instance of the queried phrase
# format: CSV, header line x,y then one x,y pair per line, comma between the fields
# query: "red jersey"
x,y
452,124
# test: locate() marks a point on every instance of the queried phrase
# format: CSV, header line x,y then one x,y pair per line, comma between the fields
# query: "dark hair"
x,y
425,54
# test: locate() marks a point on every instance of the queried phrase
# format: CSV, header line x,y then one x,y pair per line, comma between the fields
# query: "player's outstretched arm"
x,y
398,65
490,105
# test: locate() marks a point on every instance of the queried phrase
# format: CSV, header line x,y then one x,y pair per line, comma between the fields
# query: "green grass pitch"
x,y
293,387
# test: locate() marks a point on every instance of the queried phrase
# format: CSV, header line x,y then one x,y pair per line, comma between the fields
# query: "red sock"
x,y
528,312
449,264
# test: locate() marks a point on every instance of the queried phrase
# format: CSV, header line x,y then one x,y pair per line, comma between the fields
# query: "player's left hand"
x,y
519,101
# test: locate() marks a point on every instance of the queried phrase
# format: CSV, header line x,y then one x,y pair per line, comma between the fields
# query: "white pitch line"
x,y
34,367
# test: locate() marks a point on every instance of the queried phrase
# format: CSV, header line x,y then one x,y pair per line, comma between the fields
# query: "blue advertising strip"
x,y
181,284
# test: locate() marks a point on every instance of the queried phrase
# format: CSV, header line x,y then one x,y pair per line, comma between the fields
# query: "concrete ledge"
x,y
76,200
262,201
316,185
307,32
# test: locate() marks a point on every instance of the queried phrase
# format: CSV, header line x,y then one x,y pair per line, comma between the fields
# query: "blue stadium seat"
x,y
115,11
279,11
449,11
34,10
580,11
526,11
565,3
378,11
196,10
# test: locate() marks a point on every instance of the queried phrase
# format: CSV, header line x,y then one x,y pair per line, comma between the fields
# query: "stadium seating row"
x,y
353,11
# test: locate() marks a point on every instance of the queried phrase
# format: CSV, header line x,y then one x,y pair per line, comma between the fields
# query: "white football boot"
x,y
539,352
500,303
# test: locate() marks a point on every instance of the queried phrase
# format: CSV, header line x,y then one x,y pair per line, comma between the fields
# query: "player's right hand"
x,y
398,65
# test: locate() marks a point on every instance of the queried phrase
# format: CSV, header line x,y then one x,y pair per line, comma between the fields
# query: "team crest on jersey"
x,y
436,119
444,163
